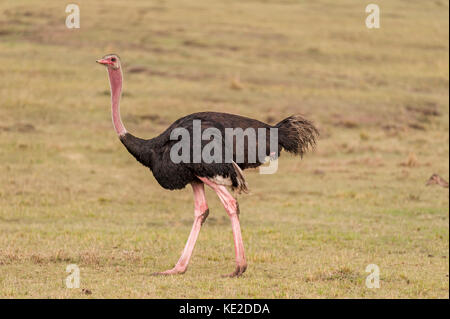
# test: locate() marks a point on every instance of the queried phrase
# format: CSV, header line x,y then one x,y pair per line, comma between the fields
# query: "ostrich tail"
x,y
296,134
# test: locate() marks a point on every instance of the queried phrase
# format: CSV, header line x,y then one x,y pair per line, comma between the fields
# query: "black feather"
x,y
155,153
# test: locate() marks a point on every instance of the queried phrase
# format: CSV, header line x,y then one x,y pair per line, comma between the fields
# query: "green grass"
x,y
70,193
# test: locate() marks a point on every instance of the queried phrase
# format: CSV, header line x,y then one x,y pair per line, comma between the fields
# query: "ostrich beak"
x,y
104,61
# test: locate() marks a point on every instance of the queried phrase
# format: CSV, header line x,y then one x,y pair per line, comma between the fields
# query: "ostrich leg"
x,y
232,208
201,211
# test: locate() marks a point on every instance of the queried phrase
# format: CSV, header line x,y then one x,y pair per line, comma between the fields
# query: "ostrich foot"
x,y
240,269
173,271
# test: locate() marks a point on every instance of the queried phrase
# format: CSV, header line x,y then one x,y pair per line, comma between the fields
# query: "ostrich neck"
x,y
115,80
138,147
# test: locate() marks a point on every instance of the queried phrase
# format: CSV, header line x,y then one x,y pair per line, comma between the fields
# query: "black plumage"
x,y
295,134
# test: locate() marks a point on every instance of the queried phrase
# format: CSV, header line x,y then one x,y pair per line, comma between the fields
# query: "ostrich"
x,y
295,135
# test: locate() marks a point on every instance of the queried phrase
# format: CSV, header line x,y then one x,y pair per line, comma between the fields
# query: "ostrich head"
x,y
110,61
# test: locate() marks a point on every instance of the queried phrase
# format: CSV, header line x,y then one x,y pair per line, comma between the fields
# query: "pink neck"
x,y
115,80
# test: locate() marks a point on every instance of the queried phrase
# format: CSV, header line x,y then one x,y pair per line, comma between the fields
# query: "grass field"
x,y
71,194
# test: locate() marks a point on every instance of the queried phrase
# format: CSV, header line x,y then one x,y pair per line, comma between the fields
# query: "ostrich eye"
x,y
113,59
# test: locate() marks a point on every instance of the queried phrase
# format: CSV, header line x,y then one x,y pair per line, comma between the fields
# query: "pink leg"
x,y
201,211
232,208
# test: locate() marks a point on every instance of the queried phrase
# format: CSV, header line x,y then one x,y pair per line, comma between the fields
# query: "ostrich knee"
x,y
203,216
